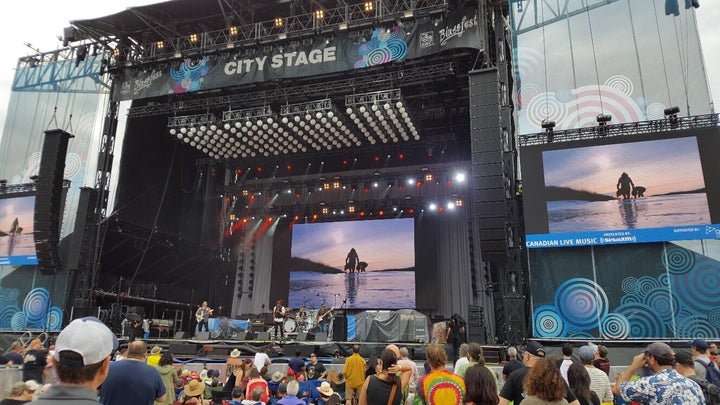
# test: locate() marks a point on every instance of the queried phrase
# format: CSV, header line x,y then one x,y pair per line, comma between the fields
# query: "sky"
x,y
40,22
661,166
383,244
21,208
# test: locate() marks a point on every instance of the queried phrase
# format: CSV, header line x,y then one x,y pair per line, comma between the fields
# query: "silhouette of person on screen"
x,y
351,260
624,186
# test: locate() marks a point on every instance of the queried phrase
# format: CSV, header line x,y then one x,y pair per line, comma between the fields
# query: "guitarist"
x,y
323,318
202,315
279,313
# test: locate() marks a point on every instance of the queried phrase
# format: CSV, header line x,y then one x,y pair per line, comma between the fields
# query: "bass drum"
x,y
290,325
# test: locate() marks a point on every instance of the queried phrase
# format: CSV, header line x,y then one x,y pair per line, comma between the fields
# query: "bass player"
x,y
202,315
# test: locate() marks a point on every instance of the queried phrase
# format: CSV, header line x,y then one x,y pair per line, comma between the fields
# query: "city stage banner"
x,y
345,51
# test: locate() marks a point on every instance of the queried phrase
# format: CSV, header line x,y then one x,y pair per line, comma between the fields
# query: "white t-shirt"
x,y
261,359
564,366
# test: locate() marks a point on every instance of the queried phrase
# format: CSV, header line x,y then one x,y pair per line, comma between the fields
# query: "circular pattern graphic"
x,y
547,323
54,318
630,299
655,111
18,321
581,303
580,334
620,83
378,57
614,326
6,314
398,48
73,163
678,260
546,106
646,284
695,327
662,303
701,284
443,392
528,92
564,95
629,285
643,323
714,317
35,305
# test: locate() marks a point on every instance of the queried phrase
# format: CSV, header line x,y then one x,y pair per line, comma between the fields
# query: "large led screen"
x,y
627,189
353,264
17,244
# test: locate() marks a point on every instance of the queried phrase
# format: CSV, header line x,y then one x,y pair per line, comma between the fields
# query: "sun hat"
x,y
88,337
235,353
277,376
325,389
156,350
194,388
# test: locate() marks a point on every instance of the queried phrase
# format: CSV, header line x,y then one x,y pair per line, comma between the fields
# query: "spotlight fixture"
x,y
319,14
672,110
549,125
603,119
368,7
671,114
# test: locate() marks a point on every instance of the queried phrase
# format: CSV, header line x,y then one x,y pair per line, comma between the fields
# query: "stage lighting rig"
x,y
672,115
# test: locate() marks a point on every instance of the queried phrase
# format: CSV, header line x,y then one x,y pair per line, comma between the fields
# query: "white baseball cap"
x,y
88,337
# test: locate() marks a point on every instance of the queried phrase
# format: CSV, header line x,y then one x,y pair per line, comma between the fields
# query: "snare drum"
x,y
290,325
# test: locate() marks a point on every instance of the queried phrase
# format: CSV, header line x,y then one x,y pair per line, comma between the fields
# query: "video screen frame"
x,y
17,242
656,152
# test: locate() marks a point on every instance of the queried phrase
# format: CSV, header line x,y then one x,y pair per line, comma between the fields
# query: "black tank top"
x,y
378,392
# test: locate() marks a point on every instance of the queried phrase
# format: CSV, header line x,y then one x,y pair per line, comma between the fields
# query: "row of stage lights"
x,y
379,118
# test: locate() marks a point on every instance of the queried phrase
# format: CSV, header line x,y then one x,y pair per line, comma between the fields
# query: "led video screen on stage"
x,y
623,189
353,264
17,243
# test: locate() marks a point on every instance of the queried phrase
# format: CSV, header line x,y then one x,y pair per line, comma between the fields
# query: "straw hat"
x,y
194,388
156,350
277,376
235,353
325,389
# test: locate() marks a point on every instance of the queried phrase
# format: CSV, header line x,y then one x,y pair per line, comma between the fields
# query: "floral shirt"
x,y
667,386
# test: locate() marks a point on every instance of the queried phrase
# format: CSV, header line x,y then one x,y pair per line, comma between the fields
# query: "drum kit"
x,y
298,323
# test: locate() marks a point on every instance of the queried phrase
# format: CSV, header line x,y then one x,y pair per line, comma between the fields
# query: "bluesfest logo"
x,y
190,75
385,45
457,30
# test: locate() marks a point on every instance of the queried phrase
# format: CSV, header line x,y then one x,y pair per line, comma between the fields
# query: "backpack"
x,y
711,392
712,374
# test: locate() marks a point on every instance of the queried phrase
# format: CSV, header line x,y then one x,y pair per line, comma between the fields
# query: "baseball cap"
x,y
659,349
88,337
685,359
587,353
699,344
535,348
282,387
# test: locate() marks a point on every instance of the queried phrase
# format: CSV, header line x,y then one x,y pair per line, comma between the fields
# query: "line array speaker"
x,y
49,200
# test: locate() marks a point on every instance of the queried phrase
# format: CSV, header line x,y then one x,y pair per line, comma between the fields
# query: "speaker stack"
x,y
49,200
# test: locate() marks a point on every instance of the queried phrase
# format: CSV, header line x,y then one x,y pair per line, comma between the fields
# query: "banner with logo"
x,y
346,51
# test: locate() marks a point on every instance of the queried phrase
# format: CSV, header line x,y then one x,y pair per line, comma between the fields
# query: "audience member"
x,y
147,385
233,362
256,398
602,362
512,364
14,355
566,360
315,370
154,358
354,370
385,387
280,394
544,384
440,386
169,376
21,393
237,395
297,364
256,382
34,362
481,386
82,362
685,365
599,382
665,385
579,382
292,391
328,395
261,359
699,349
514,388
193,393
462,358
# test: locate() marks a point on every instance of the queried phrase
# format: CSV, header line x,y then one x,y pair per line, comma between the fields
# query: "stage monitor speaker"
x,y
182,348
262,336
179,335
245,335
202,335
339,328
321,337
49,200
304,336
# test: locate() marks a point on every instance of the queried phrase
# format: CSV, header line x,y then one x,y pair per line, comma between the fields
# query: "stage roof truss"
x,y
531,19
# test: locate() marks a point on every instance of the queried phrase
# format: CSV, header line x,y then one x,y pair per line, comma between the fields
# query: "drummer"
x,y
301,318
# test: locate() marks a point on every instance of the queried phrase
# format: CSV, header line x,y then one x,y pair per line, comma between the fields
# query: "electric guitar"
x,y
203,315
278,314
320,318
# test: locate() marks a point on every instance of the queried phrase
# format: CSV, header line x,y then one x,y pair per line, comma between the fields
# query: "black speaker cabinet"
x,y
202,335
245,335
49,200
304,336
339,328
321,337
179,335
262,336
182,348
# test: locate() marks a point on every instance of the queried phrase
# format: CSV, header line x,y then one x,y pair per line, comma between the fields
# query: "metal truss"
x,y
527,17
418,74
281,28
372,98
633,128
189,120
313,106
247,114
57,71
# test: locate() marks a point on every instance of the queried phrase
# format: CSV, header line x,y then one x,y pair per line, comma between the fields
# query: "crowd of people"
x,y
85,367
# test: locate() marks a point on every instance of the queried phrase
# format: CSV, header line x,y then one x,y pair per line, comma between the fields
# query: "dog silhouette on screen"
x,y
361,266
638,191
